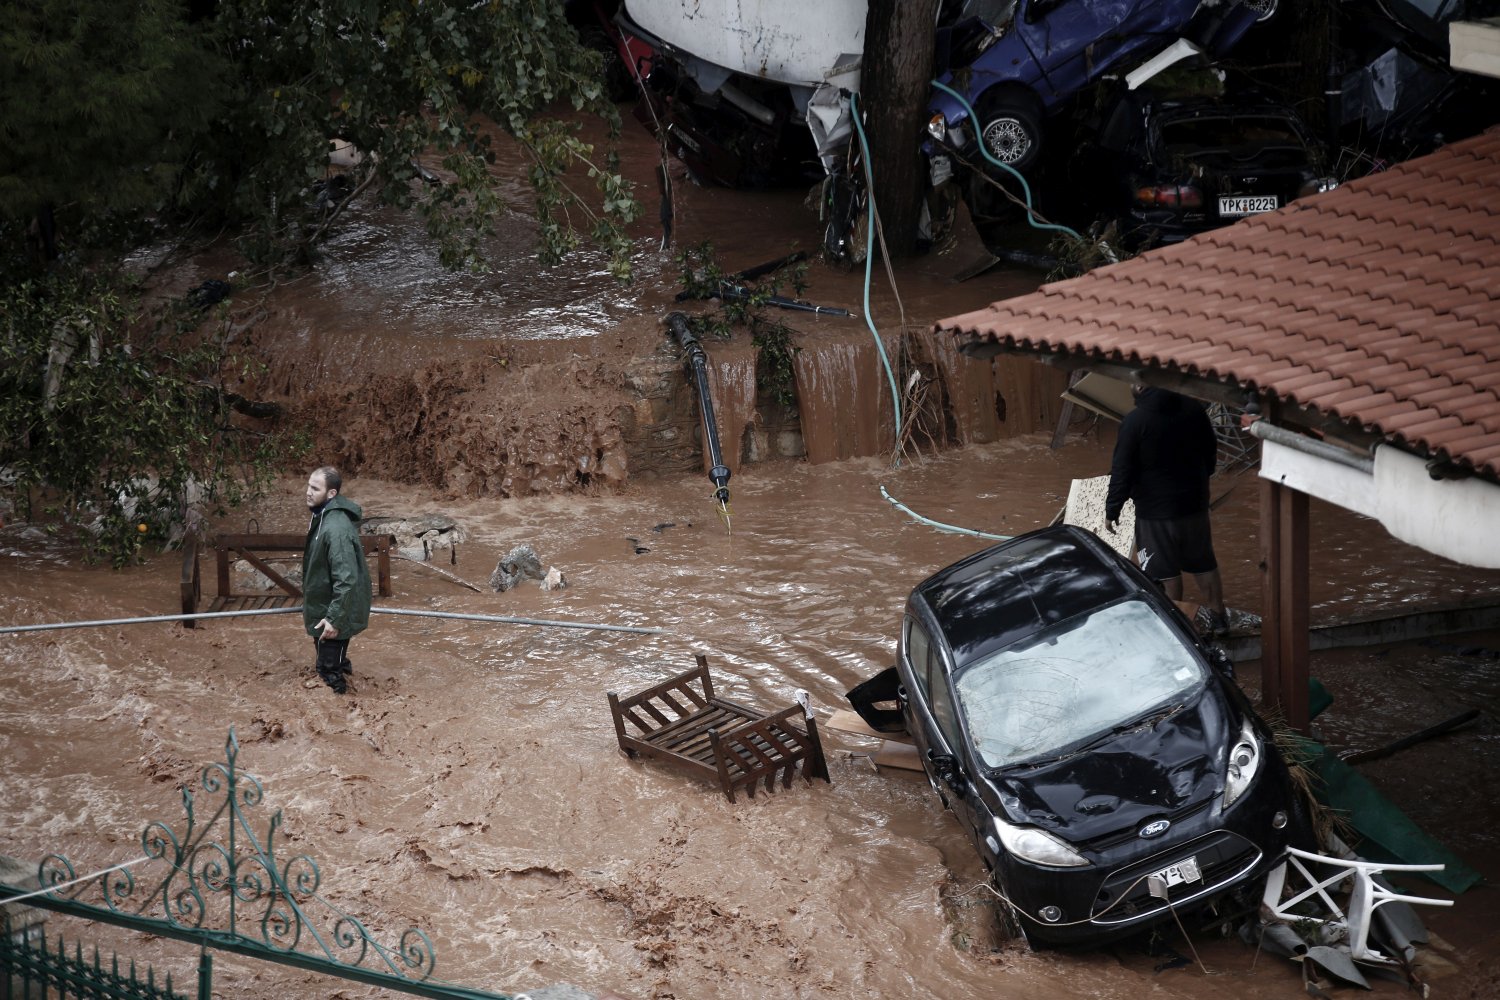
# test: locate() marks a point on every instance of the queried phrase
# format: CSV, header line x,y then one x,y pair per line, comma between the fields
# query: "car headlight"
x,y
1318,185
1244,762
1037,846
937,127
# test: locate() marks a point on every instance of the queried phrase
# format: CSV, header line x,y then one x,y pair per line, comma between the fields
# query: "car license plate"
x,y
1246,204
1183,871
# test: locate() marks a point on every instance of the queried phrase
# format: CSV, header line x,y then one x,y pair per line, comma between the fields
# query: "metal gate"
x,y
33,969
219,886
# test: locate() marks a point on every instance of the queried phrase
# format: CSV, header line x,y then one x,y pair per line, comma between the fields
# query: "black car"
x,y
1099,755
1167,168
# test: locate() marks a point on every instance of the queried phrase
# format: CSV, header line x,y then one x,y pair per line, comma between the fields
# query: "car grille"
x,y
1223,858
1132,832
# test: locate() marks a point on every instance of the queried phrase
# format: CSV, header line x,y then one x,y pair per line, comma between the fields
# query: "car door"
x,y
1074,42
937,732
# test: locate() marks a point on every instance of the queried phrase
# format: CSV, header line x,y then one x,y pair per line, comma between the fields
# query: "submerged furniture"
x,y
680,722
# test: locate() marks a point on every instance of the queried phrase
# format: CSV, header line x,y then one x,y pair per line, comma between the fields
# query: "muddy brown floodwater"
x,y
470,783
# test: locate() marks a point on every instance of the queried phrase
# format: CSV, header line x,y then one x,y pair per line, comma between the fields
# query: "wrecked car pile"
x,y
753,94
1164,168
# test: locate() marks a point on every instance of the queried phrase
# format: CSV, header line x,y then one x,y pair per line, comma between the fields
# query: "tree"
x,y
160,118
144,111
402,80
113,422
97,103
895,80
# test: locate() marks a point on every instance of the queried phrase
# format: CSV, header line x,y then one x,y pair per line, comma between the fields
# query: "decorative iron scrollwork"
x,y
221,880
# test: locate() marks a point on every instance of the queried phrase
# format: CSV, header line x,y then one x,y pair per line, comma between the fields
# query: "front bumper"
x,y
1114,897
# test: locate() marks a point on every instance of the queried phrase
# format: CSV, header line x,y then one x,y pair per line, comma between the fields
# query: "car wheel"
x,y
1013,925
1265,8
1010,127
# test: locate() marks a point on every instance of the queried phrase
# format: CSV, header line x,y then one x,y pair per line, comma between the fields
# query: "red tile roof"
x,y
1377,303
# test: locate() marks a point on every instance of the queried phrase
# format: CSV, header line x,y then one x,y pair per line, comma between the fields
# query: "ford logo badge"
x,y
1155,828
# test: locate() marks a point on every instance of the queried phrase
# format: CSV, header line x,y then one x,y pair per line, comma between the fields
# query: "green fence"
x,y
218,885
33,969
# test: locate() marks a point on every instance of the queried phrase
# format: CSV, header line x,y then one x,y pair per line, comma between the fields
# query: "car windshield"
x,y
1225,142
1087,676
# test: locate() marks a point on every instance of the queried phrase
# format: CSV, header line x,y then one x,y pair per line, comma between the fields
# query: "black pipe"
x,y
699,360
728,291
751,273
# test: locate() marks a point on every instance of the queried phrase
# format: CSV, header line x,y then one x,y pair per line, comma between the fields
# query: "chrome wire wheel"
x,y
1007,139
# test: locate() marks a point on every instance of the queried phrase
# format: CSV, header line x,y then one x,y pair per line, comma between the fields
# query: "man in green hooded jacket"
x,y
335,579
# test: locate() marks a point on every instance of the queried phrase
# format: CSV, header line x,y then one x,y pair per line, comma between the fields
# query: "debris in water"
x,y
519,564
664,526
636,546
554,580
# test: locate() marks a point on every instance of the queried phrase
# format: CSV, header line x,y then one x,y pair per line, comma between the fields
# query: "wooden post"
x,y
191,583
1284,598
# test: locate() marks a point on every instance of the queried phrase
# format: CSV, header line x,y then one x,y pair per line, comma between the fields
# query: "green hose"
x,y
890,375
864,149
974,120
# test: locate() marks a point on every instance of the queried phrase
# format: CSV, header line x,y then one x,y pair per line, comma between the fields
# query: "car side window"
x,y
940,697
917,653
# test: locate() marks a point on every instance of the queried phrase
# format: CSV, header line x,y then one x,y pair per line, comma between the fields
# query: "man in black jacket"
x,y
1163,459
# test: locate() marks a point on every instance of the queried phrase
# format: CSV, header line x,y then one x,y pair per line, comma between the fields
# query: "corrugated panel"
x,y
1378,303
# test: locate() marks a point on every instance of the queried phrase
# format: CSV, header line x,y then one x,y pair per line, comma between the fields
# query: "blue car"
x,y
1016,62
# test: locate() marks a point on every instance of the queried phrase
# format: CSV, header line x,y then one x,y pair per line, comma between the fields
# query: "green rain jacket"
x,y
335,579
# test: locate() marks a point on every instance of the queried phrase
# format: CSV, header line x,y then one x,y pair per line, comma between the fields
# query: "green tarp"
x,y
1387,834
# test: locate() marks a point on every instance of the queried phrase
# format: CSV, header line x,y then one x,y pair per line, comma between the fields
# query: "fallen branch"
x,y
1458,721
439,571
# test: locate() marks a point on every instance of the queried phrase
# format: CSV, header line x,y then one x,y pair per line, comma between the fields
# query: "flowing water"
x,y
471,784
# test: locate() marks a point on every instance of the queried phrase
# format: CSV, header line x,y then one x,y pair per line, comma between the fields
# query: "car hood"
x,y
1163,771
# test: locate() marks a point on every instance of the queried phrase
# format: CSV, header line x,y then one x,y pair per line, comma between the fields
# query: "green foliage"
x,y
402,80
745,305
152,120
112,423
135,108
99,102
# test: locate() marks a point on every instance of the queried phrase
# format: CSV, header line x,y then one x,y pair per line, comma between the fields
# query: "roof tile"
x,y
1375,302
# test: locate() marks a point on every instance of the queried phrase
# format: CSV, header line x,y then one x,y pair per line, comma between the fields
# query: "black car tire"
x,y
1010,127
1012,923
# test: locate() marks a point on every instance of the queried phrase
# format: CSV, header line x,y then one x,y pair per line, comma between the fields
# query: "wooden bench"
x,y
250,547
680,722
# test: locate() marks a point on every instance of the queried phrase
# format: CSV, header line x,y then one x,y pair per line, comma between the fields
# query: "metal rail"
x,y
501,619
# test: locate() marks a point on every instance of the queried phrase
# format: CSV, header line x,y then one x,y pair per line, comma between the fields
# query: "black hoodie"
x,y
1164,455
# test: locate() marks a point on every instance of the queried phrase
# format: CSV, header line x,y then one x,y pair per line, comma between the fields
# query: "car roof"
x,y
1009,591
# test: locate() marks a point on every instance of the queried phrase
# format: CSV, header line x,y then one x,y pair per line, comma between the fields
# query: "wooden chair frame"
x,y
682,723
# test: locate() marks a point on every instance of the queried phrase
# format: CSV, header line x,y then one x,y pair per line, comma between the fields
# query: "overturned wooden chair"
x,y
680,722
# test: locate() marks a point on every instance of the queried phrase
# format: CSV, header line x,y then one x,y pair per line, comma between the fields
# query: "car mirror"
x,y
1037,9
947,770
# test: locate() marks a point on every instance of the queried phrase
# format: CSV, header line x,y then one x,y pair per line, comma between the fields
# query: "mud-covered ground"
x,y
470,783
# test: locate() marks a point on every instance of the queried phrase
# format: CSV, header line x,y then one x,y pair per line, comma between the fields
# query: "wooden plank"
x,y
689,724
191,584
262,542
678,711
902,756
846,721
